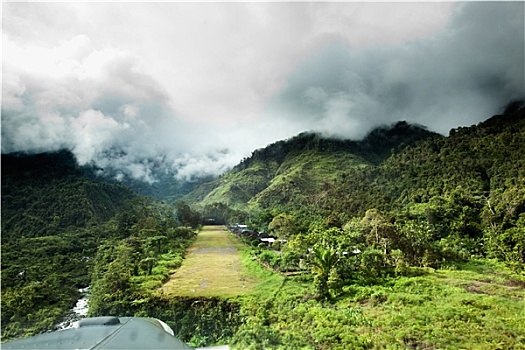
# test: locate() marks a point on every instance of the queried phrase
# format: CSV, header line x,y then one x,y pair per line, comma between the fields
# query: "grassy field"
x,y
213,268
447,309
476,305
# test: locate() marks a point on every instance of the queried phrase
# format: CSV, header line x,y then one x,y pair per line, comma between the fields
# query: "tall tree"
x,y
323,261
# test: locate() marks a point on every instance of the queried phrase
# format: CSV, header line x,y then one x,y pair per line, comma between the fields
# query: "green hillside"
x,y
467,188
296,171
405,239
237,187
55,218
302,176
474,177
47,193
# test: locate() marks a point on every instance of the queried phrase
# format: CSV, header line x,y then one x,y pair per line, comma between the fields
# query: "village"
x,y
253,237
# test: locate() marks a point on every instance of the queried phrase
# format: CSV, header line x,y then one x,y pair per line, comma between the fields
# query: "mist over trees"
x,y
428,199
352,221
62,231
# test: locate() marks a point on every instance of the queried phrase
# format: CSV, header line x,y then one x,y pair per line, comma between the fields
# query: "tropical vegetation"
x,y
406,239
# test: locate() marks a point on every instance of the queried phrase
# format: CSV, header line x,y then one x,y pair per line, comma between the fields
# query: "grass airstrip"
x,y
478,304
213,267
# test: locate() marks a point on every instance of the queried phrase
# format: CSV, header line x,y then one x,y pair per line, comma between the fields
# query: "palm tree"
x,y
322,262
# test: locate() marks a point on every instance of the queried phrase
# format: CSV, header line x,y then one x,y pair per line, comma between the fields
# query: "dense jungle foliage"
x,y
404,240
388,248
402,190
57,223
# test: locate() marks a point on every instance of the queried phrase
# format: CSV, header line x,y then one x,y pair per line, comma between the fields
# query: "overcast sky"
x,y
198,86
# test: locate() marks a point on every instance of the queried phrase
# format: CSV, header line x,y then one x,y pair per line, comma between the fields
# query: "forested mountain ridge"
x,y
56,217
48,193
300,167
374,233
479,161
469,185
53,218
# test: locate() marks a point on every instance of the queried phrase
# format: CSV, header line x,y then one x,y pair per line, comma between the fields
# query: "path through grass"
x,y
213,267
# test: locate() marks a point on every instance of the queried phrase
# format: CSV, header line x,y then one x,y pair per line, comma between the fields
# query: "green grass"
x,y
474,305
214,267
445,311
478,305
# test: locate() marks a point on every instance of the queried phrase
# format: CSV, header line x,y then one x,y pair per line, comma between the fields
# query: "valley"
x,y
404,240
326,175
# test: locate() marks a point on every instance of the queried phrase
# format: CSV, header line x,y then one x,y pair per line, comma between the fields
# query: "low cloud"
x,y
458,76
97,103
190,89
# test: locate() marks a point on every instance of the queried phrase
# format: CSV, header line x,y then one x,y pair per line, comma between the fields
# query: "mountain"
x,y
54,217
163,185
298,170
435,197
481,164
47,193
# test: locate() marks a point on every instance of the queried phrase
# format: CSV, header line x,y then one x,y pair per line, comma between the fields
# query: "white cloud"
x,y
121,84
93,133
458,76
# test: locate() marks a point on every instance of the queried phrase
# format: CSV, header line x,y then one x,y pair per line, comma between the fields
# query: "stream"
x,y
79,311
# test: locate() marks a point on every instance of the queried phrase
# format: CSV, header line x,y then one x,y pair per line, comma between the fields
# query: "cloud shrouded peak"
x,y
192,88
458,76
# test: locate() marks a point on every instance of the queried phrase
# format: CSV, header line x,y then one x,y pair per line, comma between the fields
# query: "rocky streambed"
x,y
79,311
